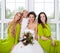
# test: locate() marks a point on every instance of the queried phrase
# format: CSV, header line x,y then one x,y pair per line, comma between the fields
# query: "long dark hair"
x,y
39,19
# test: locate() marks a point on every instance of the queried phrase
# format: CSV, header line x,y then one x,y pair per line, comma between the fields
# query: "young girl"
x,y
13,34
24,21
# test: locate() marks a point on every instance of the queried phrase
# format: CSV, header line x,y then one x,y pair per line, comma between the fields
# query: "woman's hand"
x,y
44,38
53,43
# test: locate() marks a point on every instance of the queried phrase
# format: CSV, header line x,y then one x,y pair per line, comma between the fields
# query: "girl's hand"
x,y
36,37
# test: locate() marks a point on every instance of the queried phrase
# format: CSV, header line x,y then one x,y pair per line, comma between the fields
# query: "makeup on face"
x,y
42,18
17,17
31,18
25,13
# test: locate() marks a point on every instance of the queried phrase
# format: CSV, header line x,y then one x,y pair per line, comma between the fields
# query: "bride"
x,y
32,28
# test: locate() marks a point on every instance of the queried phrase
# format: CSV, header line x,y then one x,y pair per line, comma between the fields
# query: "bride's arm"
x,y
36,37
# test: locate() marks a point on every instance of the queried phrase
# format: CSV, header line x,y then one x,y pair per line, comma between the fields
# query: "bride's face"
x,y
31,18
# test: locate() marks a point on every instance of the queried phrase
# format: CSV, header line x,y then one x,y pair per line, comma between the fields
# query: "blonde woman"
x,y
13,34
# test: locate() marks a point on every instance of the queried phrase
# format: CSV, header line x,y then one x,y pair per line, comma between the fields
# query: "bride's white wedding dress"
x,y
35,48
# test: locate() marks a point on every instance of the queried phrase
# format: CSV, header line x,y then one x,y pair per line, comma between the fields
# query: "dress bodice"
x,y
44,31
26,31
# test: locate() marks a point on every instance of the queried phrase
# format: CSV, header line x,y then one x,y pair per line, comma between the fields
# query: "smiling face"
x,y
17,17
25,13
43,18
31,18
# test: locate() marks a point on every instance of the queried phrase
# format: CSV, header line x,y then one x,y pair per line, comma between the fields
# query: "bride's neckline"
x,y
30,28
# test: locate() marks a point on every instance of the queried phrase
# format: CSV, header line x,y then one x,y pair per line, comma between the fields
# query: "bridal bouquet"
x,y
27,38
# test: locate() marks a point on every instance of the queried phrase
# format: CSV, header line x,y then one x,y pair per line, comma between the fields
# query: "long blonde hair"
x,y
12,25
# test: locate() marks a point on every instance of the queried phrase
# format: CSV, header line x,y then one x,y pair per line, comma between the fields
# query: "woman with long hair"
x,y
45,38
12,34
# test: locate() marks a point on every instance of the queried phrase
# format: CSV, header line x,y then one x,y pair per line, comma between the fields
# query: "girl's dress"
x,y
24,25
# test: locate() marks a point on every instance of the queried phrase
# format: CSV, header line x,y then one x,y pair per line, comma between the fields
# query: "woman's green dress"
x,y
7,45
46,44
